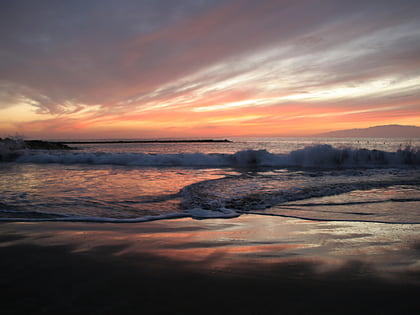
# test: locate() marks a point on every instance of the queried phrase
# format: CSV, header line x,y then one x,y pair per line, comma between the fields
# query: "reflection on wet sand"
x,y
247,265
244,243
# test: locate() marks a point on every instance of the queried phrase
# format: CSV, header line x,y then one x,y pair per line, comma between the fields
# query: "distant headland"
x,y
387,131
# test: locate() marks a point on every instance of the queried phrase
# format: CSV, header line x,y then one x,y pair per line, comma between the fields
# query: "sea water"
x,y
341,179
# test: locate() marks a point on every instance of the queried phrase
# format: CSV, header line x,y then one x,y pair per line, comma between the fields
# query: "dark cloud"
x,y
70,49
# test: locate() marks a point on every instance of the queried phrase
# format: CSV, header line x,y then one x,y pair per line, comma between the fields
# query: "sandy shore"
x,y
247,265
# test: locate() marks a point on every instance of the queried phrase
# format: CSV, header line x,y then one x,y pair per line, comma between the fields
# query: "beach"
x,y
254,226
245,265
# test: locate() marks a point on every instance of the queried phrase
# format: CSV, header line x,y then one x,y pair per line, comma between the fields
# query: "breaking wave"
x,y
322,156
328,198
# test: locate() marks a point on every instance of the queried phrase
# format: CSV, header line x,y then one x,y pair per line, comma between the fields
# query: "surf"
x,y
316,156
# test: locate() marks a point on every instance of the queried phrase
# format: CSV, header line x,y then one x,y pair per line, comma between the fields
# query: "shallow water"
x,y
345,180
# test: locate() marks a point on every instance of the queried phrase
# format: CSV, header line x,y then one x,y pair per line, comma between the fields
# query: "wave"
x,y
10,215
238,193
366,195
41,216
341,195
318,156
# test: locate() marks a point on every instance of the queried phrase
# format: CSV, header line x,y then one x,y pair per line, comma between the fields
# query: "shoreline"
x,y
246,265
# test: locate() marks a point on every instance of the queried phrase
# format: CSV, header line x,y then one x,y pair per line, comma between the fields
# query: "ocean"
x,y
322,179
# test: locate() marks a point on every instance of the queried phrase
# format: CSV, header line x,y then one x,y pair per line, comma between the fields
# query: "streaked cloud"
x,y
140,68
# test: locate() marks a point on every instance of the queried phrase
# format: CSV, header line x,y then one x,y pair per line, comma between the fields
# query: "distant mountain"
x,y
388,131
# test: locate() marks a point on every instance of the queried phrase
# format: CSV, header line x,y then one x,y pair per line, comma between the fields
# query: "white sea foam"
x,y
36,216
248,194
323,156
196,213
200,213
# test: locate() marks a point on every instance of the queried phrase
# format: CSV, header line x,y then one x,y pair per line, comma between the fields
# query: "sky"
x,y
206,68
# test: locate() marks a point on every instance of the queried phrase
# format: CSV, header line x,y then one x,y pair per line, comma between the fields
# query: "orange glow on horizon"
x,y
287,120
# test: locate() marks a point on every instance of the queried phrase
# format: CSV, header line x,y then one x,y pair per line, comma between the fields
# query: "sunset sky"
x,y
206,68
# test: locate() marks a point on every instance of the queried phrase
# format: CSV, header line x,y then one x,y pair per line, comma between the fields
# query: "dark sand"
x,y
247,265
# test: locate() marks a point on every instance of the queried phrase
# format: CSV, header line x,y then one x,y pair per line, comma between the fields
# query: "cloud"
x,y
101,59
70,51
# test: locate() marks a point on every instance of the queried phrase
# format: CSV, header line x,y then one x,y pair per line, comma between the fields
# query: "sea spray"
x,y
318,156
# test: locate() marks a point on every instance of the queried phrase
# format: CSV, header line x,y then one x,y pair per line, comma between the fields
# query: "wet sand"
x,y
247,265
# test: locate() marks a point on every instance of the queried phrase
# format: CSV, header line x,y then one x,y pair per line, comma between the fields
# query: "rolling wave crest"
x,y
323,156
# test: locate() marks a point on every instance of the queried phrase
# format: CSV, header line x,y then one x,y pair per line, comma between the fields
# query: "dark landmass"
x,y
388,131
142,141
45,145
19,144
10,149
